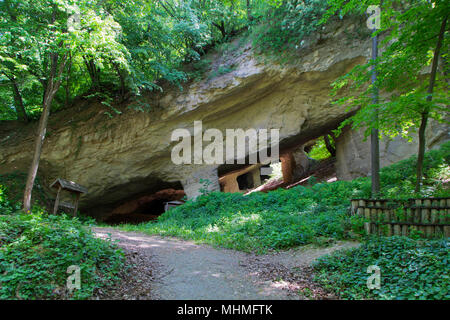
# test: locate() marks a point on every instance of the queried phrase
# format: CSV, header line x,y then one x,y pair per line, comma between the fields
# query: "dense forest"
x,y
56,53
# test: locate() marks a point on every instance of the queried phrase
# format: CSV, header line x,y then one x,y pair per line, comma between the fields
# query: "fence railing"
x,y
431,216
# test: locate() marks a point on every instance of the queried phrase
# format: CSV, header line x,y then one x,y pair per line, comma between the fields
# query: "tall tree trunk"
x,y
18,102
249,11
53,83
328,145
122,80
425,113
67,84
374,135
221,28
94,72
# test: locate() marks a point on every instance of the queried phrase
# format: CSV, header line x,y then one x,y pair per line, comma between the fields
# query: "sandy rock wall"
x,y
353,153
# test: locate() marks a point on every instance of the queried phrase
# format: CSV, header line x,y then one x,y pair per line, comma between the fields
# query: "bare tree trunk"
x,y
94,72
51,88
221,28
374,135
18,102
425,114
122,80
37,152
249,11
328,145
67,84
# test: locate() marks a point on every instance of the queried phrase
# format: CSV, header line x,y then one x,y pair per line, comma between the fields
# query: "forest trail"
x,y
170,268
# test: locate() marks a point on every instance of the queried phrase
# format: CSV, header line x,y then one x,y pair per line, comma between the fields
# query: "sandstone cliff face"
x,y
353,153
130,155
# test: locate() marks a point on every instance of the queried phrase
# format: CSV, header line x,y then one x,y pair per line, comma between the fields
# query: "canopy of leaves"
x,y
110,48
409,33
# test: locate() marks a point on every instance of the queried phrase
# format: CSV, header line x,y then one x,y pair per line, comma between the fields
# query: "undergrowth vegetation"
x,y
13,185
409,269
36,250
285,26
301,215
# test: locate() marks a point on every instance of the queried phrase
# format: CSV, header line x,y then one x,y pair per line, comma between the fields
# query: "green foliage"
x,y
286,218
5,206
14,184
398,179
109,47
284,25
410,269
319,151
36,249
221,71
113,47
199,68
408,45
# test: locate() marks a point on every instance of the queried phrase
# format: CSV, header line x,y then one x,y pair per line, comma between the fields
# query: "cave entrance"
x,y
144,208
155,207
245,181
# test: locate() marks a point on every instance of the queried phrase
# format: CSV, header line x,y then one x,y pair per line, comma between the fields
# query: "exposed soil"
x,y
169,268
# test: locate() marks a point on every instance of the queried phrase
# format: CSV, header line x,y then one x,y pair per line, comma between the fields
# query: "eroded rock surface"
x,y
129,156
353,152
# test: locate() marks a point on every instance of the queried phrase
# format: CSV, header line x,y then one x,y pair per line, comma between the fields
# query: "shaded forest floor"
x,y
169,268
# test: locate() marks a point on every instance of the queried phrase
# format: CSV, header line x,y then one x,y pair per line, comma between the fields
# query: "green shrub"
x,y
398,180
284,27
36,250
319,151
5,206
14,185
410,269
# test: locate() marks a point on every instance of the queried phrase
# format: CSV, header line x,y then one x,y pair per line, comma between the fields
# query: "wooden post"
x,y
427,215
361,204
388,219
445,216
378,214
417,214
367,225
423,217
76,205
434,217
55,209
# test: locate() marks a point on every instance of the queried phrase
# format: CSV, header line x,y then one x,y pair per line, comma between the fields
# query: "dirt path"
x,y
178,269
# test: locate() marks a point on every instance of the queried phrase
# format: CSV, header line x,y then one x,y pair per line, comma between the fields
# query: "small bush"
x,y
285,26
36,249
5,206
14,185
410,269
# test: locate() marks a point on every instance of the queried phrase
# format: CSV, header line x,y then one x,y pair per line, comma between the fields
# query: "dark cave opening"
x,y
245,181
155,207
145,208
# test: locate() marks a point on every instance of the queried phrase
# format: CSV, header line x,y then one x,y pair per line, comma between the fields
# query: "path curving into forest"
x,y
170,268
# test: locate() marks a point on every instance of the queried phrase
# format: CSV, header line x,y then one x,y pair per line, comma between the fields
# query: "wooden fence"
x,y
431,216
